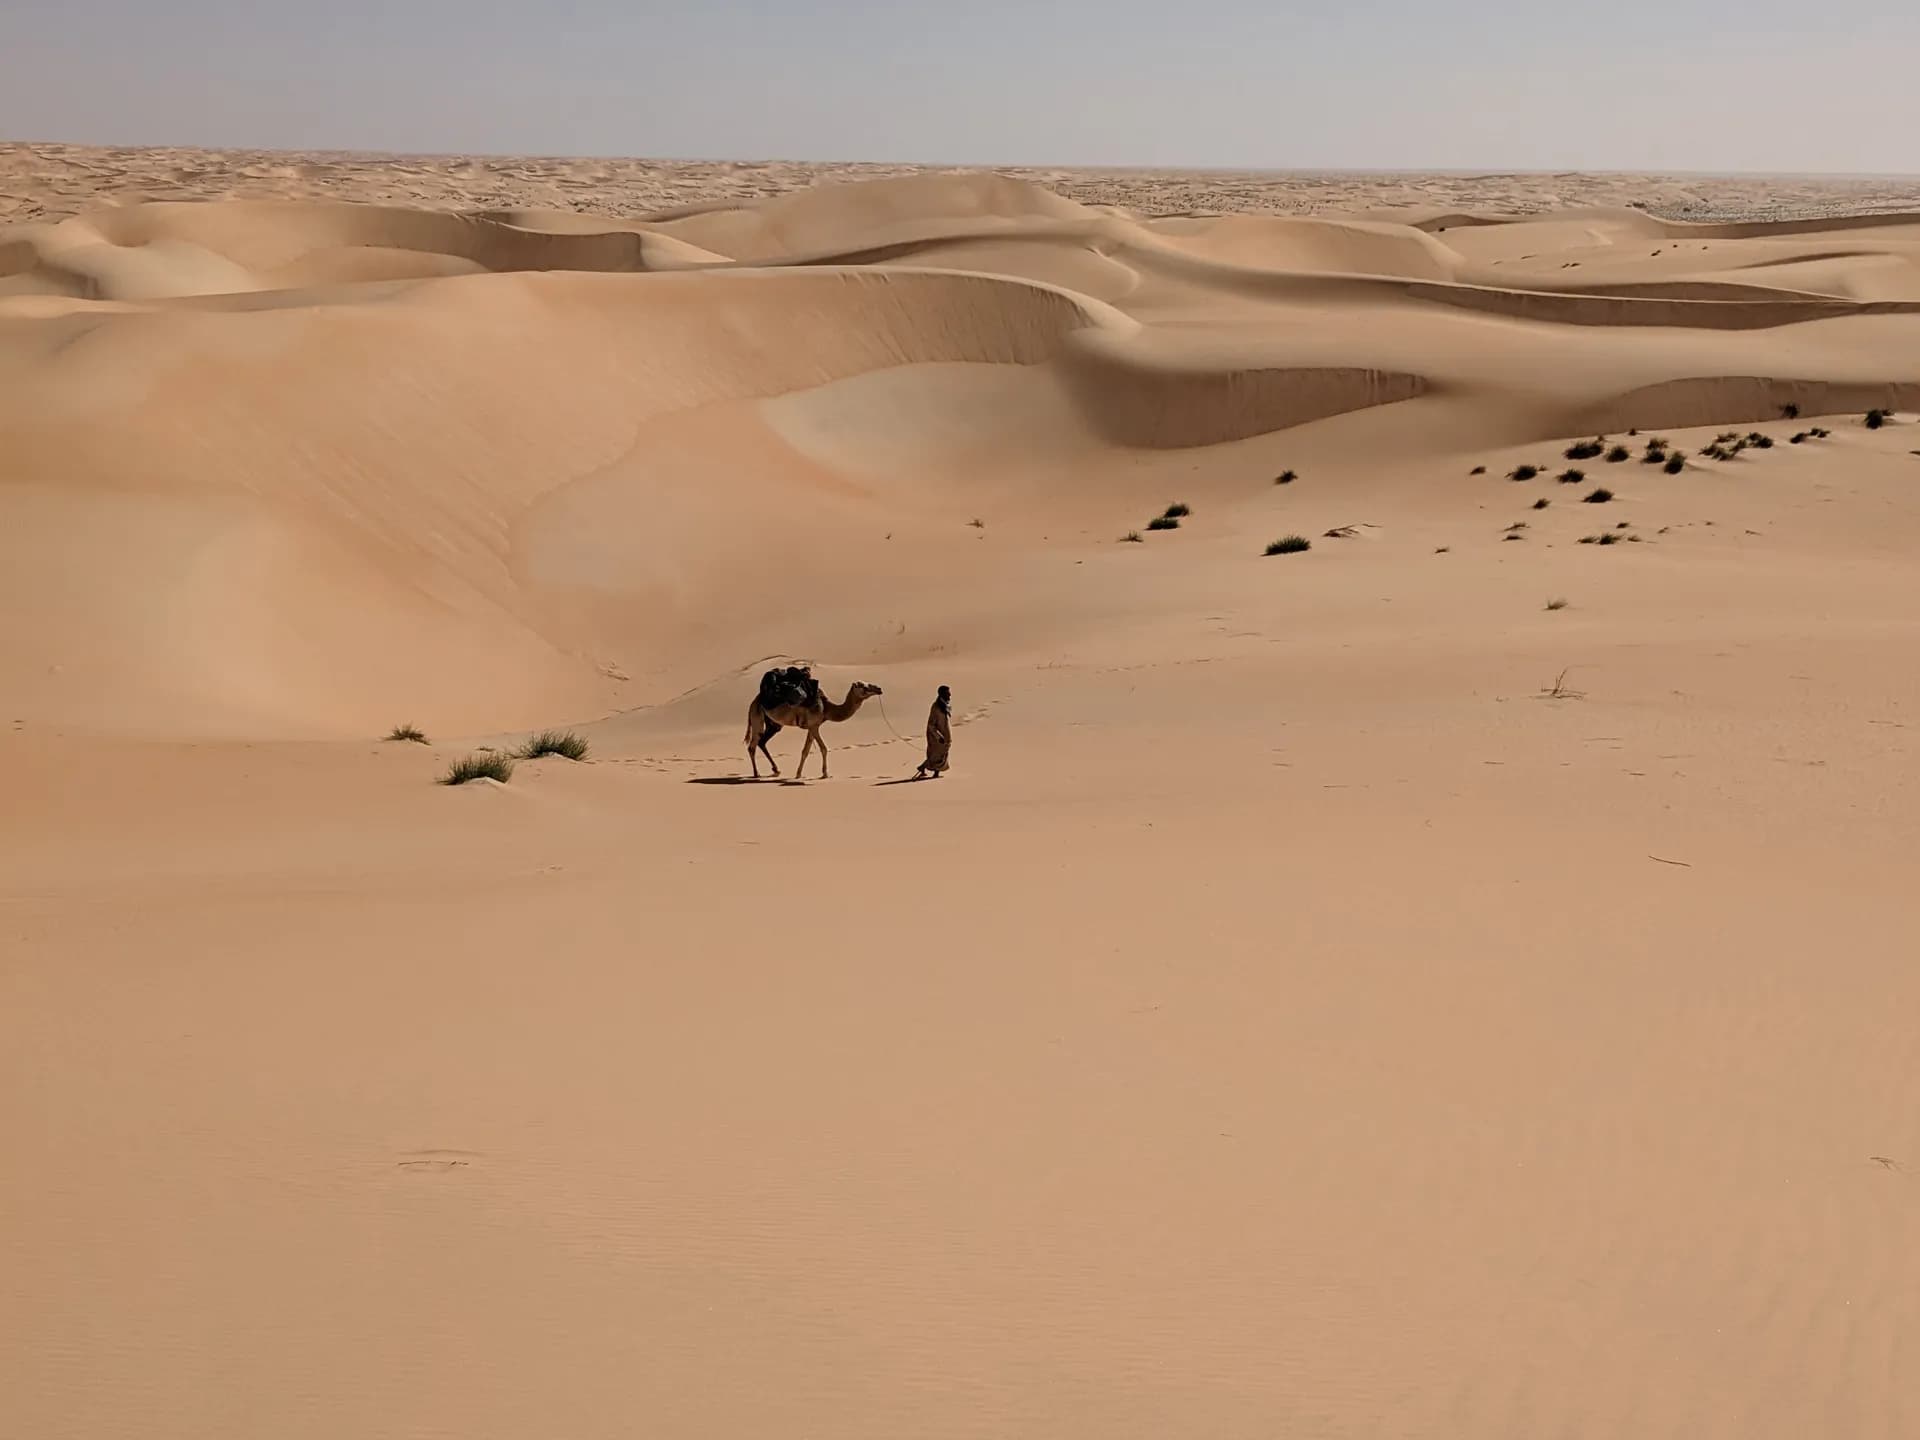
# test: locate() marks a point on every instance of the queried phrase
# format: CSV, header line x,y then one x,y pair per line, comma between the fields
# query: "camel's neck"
x,y
845,709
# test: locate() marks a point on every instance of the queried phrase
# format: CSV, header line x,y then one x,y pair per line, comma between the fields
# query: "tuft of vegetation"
x,y
1542,503
1132,537
977,523
1617,454
564,743
1789,411
1759,441
1176,512
1676,462
408,732
1441,549
1877,418
488,765
1163,522
1716,451
1819,433
1572,477
1587,449
1726,437
1289,545
1287,477
1599,495
1559,602
1476,470
1516,525
1523,472
1799,437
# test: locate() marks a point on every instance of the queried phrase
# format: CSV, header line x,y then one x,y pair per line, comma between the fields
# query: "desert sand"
x,y
1452,981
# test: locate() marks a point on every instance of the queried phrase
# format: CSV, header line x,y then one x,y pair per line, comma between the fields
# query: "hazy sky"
x,y
1393,84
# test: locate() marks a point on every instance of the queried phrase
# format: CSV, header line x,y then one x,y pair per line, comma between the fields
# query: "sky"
x,y
1697,85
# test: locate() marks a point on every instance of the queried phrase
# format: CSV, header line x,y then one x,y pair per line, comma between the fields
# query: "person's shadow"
x,y
909,780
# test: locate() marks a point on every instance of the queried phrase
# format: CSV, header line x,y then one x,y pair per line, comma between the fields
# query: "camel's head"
x,y
861,690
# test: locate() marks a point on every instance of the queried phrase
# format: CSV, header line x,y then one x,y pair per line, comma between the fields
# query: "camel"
x,y
762,724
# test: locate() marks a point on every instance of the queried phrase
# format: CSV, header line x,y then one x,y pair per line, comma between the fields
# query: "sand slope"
x,y
1293,1016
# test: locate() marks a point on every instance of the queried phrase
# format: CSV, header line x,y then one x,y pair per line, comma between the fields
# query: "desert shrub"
x,y
488,765
1572,477
1617,454
1876,418
1599,495
1289,545
1523,472
1789,411
1132,537
1476,470
1587,449
564,743
1676,462
407,732
1287,477
1176,511
1557,603
1542,503
1163,522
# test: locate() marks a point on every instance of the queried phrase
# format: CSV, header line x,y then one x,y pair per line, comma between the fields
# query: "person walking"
x,y
939,736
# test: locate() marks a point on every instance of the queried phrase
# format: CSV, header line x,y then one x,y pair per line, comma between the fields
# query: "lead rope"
x,y
903,739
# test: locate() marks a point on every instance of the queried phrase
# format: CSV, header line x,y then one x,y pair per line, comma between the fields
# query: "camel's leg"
x,y
769,754
800,766
821,741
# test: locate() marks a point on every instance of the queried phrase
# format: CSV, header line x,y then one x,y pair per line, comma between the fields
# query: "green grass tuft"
x,y
564,743
408,732
488,765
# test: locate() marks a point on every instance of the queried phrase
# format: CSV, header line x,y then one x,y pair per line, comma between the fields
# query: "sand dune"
x,y
1336,993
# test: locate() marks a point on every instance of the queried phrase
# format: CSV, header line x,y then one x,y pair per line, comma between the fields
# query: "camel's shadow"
x,y
746,780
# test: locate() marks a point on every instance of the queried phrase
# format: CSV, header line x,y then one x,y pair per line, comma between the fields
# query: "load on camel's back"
x,y
789,685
